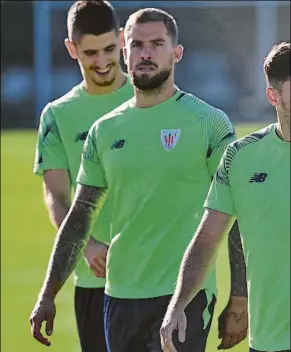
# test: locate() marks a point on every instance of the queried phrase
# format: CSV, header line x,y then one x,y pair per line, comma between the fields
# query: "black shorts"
x,y
89,306
133,325
252,350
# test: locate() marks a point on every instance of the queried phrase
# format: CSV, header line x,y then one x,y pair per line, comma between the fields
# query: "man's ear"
x,y
71,48
121,38
178,53
273,96
124,50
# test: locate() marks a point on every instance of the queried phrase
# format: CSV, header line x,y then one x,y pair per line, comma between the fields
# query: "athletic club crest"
x,y
170,138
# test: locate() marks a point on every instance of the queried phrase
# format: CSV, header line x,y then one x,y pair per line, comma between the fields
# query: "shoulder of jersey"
x,y
234,149
65,100
114,114
252,139
197,106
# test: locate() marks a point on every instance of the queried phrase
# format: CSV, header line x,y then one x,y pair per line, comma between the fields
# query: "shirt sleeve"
x,y
50,152
220,196
222,133
91,172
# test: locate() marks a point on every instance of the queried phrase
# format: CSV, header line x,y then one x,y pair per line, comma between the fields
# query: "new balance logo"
x,y
81,136
258,177
118,144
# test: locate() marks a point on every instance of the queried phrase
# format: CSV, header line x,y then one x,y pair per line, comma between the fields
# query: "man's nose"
x,y
101,62
146,54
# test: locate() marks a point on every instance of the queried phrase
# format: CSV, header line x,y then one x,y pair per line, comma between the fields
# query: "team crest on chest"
x,y
169,138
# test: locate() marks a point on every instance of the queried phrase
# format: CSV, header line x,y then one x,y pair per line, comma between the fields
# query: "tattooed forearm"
x,y
72,238
197,262
237,263
200,256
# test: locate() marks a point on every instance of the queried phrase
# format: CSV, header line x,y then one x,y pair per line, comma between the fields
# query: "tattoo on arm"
x,y
200,256
237,263
197,262
72,237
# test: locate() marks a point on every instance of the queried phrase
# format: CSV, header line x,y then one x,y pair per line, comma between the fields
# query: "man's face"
x,y
98,57
149,54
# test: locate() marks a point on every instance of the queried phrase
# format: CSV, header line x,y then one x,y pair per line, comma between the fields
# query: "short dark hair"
x,y
154,15
91,17
277,65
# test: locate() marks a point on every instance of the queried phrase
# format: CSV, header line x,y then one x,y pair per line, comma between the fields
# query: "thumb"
x,y
49,328
182,325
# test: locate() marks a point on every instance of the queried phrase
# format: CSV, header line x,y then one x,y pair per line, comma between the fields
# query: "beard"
x,y
285,115
147,83
286,108
103,83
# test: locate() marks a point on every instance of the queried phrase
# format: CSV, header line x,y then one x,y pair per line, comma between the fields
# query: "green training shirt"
x,y
63,128
253,184
157,165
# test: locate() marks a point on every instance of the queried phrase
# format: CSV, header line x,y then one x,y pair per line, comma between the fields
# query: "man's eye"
x,y
90,52
110,49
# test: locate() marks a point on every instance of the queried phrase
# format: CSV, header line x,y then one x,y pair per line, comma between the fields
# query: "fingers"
x,y
101,262
230,330
36,332
98,265
225,342
166,334
239,338
98,272
182,325
49,328
244,335
229,341
99,268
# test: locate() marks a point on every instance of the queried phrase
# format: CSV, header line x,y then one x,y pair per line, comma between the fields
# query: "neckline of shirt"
x,y
277,138
83,91
157,106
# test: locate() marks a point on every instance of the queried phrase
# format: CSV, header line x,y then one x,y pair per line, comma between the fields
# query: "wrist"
x,y
235,298
46,296
239,289
47,293
177,304
238,303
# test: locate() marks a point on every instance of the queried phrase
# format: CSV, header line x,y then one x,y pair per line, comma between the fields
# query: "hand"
x,y
95,255
43,311
174,320
233,323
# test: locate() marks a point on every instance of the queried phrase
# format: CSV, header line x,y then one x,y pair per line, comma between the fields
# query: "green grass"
x,y
27,238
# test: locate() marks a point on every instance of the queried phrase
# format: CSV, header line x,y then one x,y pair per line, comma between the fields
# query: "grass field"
x,y
27,238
